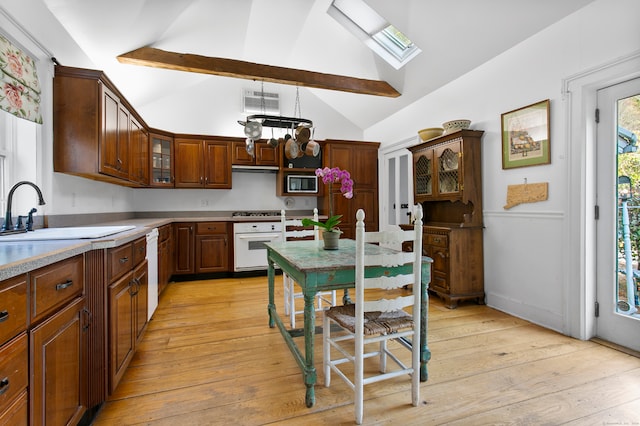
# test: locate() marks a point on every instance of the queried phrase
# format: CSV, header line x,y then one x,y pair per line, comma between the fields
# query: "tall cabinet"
x,y
361,160
448,185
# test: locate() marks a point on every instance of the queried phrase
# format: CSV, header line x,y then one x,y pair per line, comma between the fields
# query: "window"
x,y
18,141
381,37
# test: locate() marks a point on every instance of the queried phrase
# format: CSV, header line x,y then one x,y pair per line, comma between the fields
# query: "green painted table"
x,y
316,269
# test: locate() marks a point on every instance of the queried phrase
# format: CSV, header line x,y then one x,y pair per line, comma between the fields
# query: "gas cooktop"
x,y
256,214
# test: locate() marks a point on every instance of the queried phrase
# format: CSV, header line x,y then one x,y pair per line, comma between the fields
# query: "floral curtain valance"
x,y
20,88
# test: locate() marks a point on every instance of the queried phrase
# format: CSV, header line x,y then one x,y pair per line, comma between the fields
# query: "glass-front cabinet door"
x,y
449,166
423,167
161,160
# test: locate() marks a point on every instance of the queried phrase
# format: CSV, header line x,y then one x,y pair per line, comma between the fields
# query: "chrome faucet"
x,y
8,223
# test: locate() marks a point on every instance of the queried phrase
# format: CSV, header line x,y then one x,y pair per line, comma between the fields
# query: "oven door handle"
x,y
257,235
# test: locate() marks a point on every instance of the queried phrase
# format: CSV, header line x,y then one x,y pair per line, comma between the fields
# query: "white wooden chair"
x,y
376,320
290,295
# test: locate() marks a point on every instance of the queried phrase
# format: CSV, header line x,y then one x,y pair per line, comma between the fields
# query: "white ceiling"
x,y
455,37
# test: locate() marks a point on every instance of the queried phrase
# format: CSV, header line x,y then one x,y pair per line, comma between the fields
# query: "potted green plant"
x,y
331,232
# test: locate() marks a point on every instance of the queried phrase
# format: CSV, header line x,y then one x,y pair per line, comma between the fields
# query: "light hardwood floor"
x,y
209,358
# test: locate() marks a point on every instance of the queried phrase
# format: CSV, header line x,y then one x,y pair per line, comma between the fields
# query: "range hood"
x,y
255,169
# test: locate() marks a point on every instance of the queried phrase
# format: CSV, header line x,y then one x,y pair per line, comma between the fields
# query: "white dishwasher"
x,y
152,264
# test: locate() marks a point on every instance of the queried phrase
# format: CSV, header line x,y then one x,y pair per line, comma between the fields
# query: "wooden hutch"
x,y
448,185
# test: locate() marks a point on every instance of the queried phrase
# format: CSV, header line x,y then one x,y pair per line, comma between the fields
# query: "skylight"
x,y
381,37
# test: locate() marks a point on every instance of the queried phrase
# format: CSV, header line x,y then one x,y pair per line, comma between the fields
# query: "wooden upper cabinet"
x,y
202,163
109,158
264,154
217,167
161,160
447,175
239,154
139,153
189,164
94,128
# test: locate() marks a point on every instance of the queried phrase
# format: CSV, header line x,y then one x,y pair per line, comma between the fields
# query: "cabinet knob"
x,y
4,385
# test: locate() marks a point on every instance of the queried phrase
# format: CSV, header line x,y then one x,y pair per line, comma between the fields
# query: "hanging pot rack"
x,y
277,121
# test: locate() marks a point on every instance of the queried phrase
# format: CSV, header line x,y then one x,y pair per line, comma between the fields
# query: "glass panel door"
x,y
397,188
618,227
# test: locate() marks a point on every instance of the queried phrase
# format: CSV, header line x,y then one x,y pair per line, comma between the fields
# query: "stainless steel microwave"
x,y
302,183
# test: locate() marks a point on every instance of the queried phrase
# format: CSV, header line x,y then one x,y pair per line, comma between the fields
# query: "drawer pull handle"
x,y
124,259
4,385
4,315
135,282
64,285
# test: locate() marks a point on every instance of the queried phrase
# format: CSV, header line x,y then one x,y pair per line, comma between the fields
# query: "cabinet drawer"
x,y
119,261
211,228
13,307
17,413
139,250
14,372
438,240
54,285
163,233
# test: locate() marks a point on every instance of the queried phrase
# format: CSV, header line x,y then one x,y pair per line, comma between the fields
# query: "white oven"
x,y
250,254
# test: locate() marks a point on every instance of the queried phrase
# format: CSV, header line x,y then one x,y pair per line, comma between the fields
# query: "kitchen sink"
x,y
71,233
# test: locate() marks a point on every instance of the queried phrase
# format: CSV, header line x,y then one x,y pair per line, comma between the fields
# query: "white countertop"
x,y
23,256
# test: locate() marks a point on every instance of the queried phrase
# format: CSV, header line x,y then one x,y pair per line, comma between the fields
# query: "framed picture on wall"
x,y
525,136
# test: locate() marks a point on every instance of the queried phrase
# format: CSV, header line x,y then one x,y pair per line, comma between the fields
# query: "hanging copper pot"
x,y
312,148
291,149
302,134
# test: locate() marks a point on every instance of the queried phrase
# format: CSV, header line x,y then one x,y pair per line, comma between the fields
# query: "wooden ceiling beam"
x,y
157,58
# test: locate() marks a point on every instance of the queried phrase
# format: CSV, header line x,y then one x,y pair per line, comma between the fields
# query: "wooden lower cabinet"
x,y
18,412
121,333
201,247
457,270
14,373
184,237
212,247
141,299
165,256
57,396
127,312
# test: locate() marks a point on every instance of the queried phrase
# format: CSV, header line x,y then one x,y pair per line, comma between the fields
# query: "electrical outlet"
x,y
204,203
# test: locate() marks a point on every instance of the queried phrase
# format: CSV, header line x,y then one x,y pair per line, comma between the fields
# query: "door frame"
x,y
579,95
383,182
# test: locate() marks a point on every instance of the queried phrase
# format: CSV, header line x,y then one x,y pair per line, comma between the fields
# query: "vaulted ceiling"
x,y
455,37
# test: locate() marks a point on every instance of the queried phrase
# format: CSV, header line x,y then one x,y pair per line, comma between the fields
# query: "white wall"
x,y
204,115
525,249
252,191
197,112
